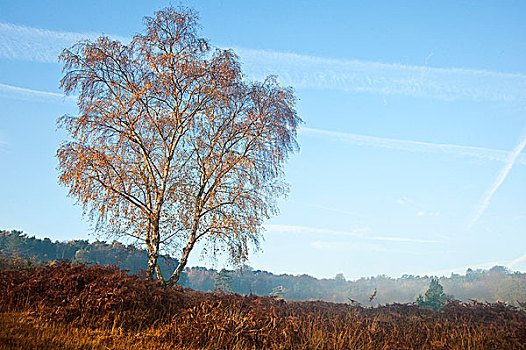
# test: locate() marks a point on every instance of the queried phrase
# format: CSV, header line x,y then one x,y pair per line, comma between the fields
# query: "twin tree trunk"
x,y
153,265
152,242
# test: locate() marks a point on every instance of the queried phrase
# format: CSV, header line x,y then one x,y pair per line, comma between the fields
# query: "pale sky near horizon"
x,y
412,155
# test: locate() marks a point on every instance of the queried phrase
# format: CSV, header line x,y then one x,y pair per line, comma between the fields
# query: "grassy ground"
x,y
66,306
20,330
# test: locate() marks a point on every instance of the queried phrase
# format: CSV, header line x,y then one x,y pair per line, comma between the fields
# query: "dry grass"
x,y
67,306
20,330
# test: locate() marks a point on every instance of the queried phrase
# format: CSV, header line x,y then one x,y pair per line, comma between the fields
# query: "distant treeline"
x,y
127,257
495,284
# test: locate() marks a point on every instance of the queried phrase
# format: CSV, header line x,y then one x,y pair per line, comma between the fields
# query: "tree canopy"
x,y
171,145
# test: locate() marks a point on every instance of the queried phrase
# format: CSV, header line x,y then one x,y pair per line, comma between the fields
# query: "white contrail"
x,y
304,229
3,144
38,45
301,71
371,247
416,146
19,93
485,266
512,158
516,261
356,233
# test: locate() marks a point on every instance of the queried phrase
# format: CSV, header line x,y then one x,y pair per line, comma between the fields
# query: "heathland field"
x,y
74,306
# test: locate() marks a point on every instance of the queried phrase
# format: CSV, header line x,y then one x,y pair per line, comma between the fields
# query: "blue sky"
x,y
412,153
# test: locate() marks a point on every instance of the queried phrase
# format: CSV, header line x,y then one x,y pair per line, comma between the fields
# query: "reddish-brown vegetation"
x,y
94,303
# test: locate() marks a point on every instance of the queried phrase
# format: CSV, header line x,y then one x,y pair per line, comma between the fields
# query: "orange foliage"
x,y
171,145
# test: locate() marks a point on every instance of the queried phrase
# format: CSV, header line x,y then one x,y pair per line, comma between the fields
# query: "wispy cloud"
x,y
15,92
20,93
333,210
371,247
405,202
512,158
415,146
417,208
516,261
38,45
511,264
356,232
359,232
406,240
3,144
301,71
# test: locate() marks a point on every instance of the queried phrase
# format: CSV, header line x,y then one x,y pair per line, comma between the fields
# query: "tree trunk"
x,y
153,255
158,272
152,263
182,263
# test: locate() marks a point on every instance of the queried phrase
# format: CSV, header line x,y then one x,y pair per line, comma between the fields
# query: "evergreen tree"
x,y
435,298
223,281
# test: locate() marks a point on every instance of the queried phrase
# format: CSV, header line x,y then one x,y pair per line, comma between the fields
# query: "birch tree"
x,y
171,145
